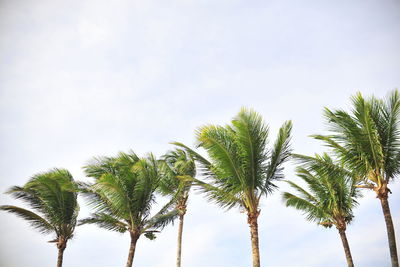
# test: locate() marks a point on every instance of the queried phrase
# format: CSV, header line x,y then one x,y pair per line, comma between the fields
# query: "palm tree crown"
x,y
368,138
241,167
123,194
54,208
178,164
330,196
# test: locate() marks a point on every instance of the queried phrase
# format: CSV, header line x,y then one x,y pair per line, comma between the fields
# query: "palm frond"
x,y
312,212
280,153
161,220
319,164
222,149
250,138
226,199
387,118
105,221
303,193
34,219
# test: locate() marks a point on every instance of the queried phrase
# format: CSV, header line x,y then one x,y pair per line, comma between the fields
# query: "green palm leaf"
x,y
34,219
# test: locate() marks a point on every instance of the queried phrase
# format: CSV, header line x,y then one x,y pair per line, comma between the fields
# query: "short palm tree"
x,y
241,168
367,140
122,195
329,198
54,208
178,164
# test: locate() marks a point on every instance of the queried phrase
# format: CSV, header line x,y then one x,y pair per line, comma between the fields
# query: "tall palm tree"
x,y
178,164
367,140
329,198
241,168
122,196
54,209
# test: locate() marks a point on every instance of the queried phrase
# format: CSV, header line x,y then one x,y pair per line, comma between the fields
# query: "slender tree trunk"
x,y
179,251
60,257
134,239
61,245
252,221
346,247
390,229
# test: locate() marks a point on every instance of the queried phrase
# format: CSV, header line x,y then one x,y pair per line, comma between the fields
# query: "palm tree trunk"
x,y
61,245
60,257
390,229
134,239
252,221
346,248
179,252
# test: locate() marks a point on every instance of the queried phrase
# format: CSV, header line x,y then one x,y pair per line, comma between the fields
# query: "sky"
x,y
80,79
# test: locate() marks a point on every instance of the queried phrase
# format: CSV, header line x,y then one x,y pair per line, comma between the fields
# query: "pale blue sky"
x,y
87,78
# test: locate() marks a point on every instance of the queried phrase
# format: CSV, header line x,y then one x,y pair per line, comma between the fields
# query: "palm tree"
x,y
329,198
241,168
178,164
367,140
122,195
54,208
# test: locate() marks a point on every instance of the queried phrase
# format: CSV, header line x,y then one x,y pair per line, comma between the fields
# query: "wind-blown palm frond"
x,y
159,221
105,221
317,163
312,211
34,219
223,198
220,145
280,154
303,193
385,115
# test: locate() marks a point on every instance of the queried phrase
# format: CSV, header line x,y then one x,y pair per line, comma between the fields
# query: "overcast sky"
x,y
86,78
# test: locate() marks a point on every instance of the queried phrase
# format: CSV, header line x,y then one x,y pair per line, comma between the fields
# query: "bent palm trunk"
x,y
179,252
132,248
390,229
252,221
346,248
